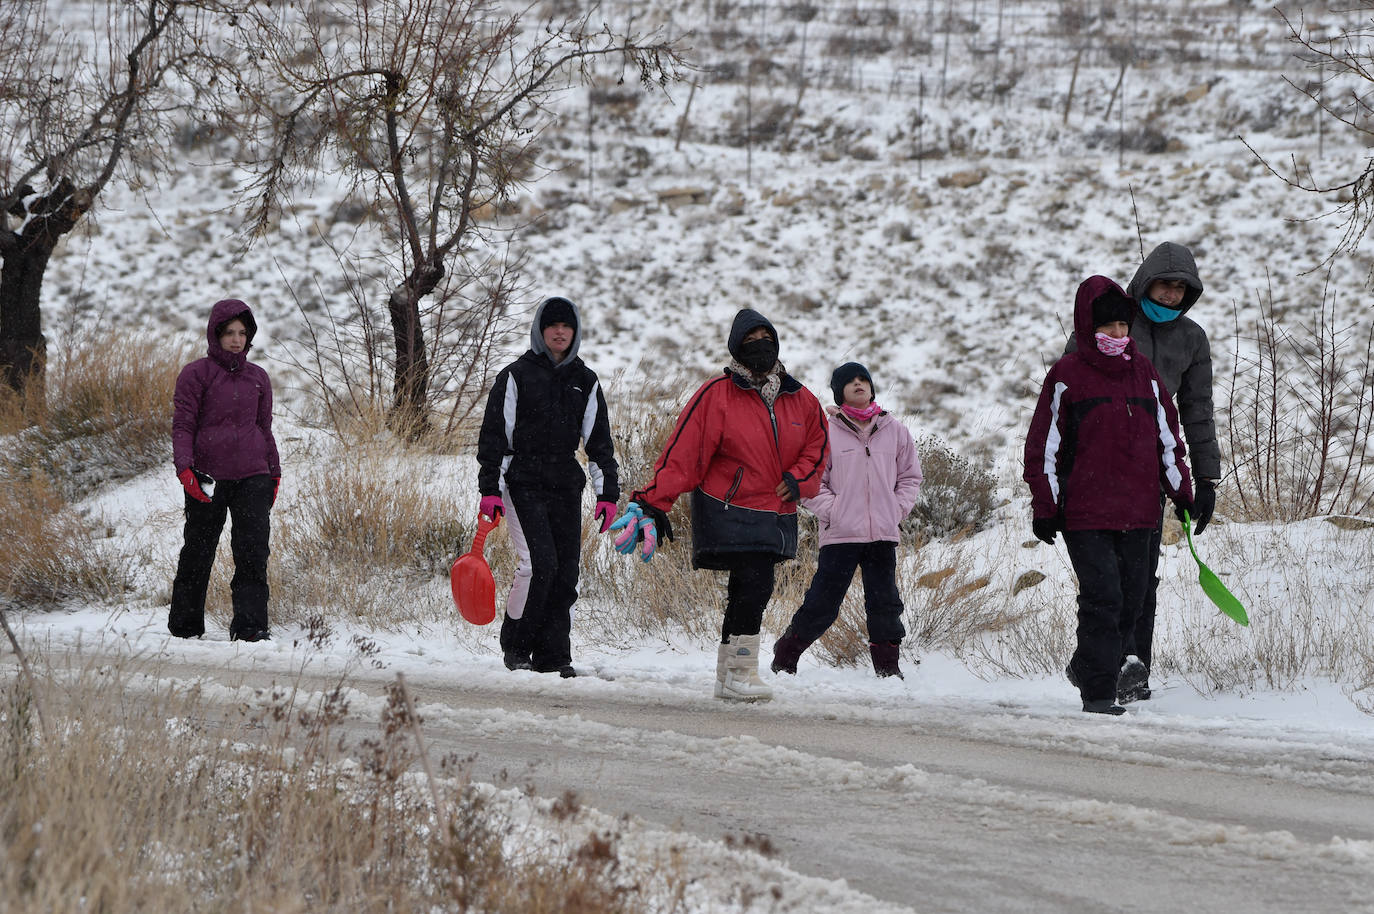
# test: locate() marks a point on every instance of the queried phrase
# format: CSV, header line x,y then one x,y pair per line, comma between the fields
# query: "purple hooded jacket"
x,y
1104,440
222,420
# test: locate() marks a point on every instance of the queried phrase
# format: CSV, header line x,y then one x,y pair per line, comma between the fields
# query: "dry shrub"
x,y
1300,410
139,804
47,554
107,416
956,496
364,541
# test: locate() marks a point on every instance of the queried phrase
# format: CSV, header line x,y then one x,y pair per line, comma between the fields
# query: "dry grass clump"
x,y
142,804
363,541
106,416
47,553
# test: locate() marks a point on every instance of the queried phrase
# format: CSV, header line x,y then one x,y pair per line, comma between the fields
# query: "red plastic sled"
x,y
474,589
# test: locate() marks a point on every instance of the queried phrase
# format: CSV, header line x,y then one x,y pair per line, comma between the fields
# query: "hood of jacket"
x,y
537,344
1085,334
747,319
1167,261
222,313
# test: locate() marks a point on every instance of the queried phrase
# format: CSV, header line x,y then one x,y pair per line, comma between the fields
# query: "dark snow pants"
x,y
1142,631
747,592
248,504
835,567
1113,568
546,531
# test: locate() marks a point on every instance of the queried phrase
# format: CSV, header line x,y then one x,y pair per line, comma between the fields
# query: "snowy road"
x,y
928,807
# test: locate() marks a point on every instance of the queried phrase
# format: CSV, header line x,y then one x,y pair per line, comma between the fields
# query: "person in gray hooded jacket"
x,y
1165,288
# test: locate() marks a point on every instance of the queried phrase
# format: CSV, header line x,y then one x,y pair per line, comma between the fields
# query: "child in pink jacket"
x,y
870,484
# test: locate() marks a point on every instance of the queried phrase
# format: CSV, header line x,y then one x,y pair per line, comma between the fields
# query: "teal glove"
x,y
635,528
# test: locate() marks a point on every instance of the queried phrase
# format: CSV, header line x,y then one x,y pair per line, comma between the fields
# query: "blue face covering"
x,y
1157,312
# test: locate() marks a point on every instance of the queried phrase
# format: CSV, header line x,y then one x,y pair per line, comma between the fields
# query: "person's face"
x,y
233,336
1114,329
1167,292
758,333
857,393
558,336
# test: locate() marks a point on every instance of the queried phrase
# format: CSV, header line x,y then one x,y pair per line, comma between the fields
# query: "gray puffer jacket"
x,y
1180,353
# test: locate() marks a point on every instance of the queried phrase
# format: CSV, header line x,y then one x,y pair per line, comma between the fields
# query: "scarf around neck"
x,y
861,415
767,385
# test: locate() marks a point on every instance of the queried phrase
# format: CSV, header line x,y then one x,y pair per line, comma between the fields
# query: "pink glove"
x,y
492,506
605,512
192,485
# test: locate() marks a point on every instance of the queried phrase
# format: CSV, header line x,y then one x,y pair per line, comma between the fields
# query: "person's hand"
x,y
1182,507
789,489
192,485
276,487
1045,528
605,513
635,529
1204,503
492,506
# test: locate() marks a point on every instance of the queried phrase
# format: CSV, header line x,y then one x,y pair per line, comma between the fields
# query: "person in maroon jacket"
x,y
748,445
226,460
1103,444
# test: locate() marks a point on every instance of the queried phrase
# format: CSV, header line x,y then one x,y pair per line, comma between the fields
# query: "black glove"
x,y
1204,503
1045,528
1181,506
793,487
660,518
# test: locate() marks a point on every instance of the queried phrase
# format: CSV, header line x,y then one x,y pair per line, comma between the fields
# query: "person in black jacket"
x,y
541,408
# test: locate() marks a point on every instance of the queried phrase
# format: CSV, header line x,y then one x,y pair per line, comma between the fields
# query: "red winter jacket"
x,y
1104,438
731,451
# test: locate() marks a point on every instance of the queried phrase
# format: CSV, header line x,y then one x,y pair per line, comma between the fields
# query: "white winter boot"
x,y
722,652
737,671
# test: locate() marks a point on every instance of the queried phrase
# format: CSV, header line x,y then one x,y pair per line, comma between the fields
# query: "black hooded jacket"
x,y
538,414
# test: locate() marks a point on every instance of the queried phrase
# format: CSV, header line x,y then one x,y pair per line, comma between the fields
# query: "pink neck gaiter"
x,y
1110,345
861,415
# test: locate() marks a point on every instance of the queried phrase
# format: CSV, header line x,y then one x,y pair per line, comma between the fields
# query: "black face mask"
x,y
758,355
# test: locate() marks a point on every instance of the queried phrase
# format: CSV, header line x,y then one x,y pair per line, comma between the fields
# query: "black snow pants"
x,y
834,572
248,504
1113,568
546,531
747,592
1142,641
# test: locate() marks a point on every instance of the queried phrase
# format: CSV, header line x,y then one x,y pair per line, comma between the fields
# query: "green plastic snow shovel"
x,y
1211,584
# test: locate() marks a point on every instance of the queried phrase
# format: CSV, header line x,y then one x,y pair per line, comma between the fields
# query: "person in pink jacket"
x,y
870,484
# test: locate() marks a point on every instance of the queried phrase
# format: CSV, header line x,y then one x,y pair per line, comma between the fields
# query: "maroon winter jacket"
x,y
1104,437
222,421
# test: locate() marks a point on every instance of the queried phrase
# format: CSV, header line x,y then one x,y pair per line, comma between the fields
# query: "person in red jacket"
x,y
749,444
222,440
1103,444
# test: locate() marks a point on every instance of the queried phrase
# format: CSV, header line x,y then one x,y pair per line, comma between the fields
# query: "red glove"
x,y
192,485
276,486
492,506
605,512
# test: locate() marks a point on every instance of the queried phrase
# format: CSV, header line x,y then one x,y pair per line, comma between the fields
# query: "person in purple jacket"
x,y
1103,444
226,460
869,485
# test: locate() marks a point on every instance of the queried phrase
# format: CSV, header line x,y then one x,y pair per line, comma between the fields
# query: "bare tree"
x,y
78,109
430,110
1343,91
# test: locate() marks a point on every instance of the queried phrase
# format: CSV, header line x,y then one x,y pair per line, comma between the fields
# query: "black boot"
x,y
885,658
787,652
1102,706
1133,682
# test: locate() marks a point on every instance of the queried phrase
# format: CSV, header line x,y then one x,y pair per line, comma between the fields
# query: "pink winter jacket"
x,y
870,482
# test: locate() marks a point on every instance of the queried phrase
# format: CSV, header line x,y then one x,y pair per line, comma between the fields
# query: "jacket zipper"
x,y
734,487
